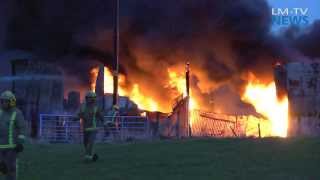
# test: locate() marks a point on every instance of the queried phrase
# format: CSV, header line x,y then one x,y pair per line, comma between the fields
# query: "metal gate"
x,y
57,128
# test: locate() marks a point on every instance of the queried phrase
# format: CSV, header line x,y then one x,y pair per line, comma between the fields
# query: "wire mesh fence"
x,y
213,125
209,124
56,128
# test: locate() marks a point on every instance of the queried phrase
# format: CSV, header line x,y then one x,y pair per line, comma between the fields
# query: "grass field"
x,y
269,159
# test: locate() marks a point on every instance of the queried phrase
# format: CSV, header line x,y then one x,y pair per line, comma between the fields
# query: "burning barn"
x,y
102,84
40,88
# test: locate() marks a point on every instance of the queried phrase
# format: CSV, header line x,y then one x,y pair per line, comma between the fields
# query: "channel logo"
x,y
290,16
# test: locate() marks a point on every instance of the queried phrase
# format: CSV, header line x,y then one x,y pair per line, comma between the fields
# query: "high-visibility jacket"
x,y
90,117
12,128
113,114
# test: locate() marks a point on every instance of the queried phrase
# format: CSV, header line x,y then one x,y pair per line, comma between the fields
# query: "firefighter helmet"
x,y
8,95
116,107
91,94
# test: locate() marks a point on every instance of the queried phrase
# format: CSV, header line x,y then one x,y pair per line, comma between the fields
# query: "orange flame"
x,y
264,98
261,95
142,101
108,82
93,78
135,94
178,82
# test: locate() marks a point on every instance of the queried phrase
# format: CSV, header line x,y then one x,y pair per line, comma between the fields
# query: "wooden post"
x,y
259,130
116,54
188,97
188,78
13,73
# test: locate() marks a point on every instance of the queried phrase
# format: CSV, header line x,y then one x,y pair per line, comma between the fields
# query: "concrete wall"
x,y
38,88
303,89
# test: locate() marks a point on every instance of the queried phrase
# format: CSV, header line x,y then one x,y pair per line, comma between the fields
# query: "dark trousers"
x,y
9,158
89,138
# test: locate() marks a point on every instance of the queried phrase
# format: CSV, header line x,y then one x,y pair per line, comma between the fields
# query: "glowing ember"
x,y
264,98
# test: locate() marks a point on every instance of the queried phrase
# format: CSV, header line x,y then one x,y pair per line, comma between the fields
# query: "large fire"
x,y
135,94
176,84
264,98
142,101
108,83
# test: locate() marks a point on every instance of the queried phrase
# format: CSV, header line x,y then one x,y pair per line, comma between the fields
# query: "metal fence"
x,y
208,124
213,125
57,128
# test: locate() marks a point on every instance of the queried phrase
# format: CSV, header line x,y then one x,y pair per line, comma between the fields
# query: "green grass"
x,y
269,159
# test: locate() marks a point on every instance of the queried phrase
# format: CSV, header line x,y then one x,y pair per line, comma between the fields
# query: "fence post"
x,y
259,129
148,131
122,129
66,129
40,126
57,128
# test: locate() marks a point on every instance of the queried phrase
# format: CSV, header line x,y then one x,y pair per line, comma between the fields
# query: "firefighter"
x,y
114,113
12,134
90,114
112,125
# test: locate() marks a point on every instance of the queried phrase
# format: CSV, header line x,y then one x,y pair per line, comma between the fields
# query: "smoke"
x,y
306,40
4,20
222,40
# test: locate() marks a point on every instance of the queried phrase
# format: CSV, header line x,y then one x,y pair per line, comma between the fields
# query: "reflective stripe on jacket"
x,y
11,143
93,126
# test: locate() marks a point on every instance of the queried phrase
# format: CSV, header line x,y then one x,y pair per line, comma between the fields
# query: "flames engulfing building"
x,y
157,36
301,81
105,98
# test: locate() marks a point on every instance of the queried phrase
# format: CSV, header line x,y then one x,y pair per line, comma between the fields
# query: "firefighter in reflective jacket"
x,y
113,114
112,123
12,130
90,115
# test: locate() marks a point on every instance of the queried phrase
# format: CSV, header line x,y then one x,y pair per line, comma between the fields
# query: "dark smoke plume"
x,y
221,39
308,41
